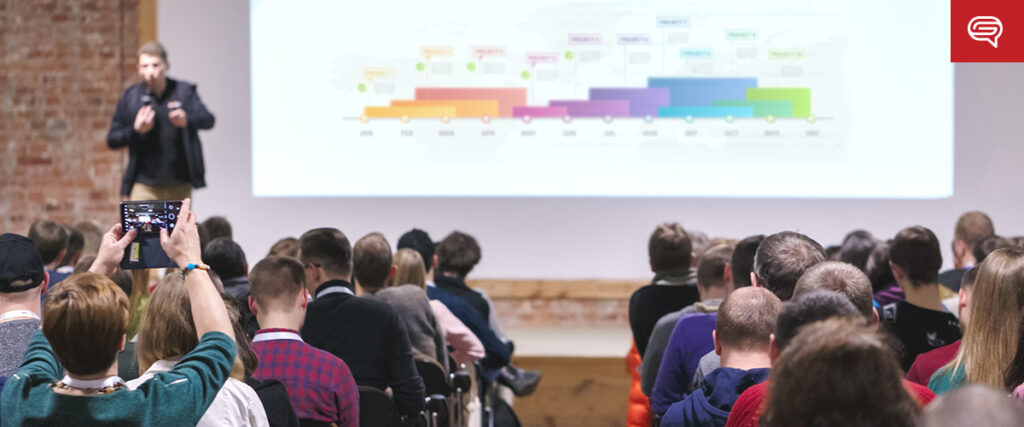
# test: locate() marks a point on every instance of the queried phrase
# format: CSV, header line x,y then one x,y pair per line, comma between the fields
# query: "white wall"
x,y
208,42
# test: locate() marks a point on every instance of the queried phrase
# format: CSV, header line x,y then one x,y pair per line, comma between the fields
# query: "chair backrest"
x,y
434,377
376,409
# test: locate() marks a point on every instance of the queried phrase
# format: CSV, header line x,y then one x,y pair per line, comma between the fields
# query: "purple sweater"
x,y
691,340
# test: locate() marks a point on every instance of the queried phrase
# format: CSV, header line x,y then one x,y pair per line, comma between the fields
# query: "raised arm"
x,y
182,247
111,250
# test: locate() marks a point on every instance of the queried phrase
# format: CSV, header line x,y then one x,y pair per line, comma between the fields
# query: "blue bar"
x,y
717,112
703,91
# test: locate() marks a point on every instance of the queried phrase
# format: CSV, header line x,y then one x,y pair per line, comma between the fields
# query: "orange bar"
x,y
507,97
463,108
399,112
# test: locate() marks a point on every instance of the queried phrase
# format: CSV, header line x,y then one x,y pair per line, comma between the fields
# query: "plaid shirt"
x,y
320,385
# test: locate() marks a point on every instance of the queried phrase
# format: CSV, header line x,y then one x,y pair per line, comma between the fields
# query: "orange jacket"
x,y
639,412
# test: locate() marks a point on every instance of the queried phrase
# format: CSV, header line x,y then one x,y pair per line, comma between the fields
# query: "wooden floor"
x,y
575,391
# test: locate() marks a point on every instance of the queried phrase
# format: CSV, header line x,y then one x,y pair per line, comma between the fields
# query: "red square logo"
x,y
987,31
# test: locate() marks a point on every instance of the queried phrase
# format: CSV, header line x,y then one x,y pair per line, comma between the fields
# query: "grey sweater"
x,y
411,303
14,338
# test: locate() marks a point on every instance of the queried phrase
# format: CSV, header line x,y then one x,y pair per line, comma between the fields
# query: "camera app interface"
x,y
149,217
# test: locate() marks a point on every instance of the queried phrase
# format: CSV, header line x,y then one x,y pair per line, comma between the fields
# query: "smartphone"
x,y
148,217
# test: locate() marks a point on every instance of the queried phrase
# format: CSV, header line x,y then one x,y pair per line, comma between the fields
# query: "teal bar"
x,y
719,112
762,108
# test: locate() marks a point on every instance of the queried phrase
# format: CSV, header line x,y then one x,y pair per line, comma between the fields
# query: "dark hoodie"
x,y
710,406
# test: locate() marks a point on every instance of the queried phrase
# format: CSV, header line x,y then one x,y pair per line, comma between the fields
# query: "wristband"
x,y
193,266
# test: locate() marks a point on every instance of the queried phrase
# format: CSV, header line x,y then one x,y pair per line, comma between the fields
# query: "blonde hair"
x,y
409,269
988,346
167,329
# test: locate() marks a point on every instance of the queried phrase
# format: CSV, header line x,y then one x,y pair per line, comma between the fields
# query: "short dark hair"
x,y
743,260
916,250
973,226
458,253
782,258
808,308
329,248
669,247
225,257
274,279
856,248
746,319
76,242
878,269
217,227
987,245
711,266
49,237
153,48
371,261
85,319
842,278
419,241
967,280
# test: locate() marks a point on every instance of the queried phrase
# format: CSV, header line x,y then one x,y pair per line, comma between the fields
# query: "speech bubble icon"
x,y
986,29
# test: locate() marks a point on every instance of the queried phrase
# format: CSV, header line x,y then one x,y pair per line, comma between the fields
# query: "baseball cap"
x,y
19,261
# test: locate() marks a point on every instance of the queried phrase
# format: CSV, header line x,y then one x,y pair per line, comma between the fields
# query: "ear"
x,y
874,323
304,297
773,348
897,272
959,248
693,260
120,347
252,305
434,263
246,271
718,344
61,255
46,282
652,266
727,273
391,274
753,280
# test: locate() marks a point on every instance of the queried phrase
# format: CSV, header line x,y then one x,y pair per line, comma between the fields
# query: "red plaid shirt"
x,y
320,385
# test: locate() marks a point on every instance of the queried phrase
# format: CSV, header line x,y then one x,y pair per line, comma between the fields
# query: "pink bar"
x,y
596,108
539,111
507,97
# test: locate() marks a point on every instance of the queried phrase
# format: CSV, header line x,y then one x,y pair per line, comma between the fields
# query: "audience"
x,y
22,281
970,228
288,246
856,248
217,227
368,335
51,240
743,328
321,386
780,260
72,252
674,285
920,323
227,259
990,338
91,235
927,363
973,405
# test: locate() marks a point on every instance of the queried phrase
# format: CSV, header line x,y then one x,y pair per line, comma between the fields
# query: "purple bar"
x,y
539,111
642,101
613,108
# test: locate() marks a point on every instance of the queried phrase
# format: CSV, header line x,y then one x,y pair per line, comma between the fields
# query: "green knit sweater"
x,y
178,397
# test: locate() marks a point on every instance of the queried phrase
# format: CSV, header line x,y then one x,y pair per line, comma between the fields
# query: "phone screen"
x,y
148,217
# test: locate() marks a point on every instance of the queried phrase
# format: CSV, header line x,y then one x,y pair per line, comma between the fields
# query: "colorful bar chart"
x,y
685,97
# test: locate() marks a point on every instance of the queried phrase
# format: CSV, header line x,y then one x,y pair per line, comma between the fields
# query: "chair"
x,y
376,409
434,377
436,414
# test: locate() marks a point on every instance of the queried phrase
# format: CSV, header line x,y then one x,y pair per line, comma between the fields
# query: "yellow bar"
x,y
463,108
399,112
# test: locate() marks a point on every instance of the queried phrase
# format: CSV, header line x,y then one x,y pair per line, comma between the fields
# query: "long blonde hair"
x,y
990,338
409,269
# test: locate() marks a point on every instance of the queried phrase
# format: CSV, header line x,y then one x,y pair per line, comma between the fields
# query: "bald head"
x,y
841,278
371,261
746,319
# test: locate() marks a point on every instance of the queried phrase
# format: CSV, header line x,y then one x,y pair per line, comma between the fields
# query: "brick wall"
x,y
63,65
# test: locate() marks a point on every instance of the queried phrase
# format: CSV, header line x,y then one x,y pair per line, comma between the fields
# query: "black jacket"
x,y
122,130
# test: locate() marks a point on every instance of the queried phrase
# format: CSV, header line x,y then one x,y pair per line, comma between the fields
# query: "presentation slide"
x,y
617,98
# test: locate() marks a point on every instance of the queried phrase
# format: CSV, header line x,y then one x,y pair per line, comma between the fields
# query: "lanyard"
x,y
278,335
18,314
335,290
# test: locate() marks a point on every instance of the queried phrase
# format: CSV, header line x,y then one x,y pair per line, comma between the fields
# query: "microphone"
x,y
148,97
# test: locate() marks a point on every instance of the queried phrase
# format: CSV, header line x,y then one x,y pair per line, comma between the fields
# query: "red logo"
x,y
987,31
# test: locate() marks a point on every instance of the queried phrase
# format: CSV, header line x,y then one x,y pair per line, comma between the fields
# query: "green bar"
x,y
799,96
762,108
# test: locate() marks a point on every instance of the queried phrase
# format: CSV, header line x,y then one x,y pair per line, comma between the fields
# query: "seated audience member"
x,y
167,333
970,228
288,246
927,363
883,283
844,279
780,260
409,270
714,282
217,227
973,405
368,335
743,328
1015,371
856,249
810,306
51,240
838,373
91,235
498,353
921,323
84,321
372,267
227,259
73,251
22,281
988,346
988,245
321,386
674,285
